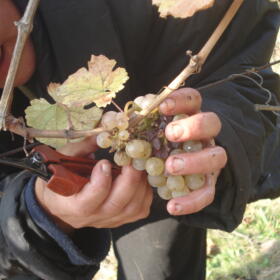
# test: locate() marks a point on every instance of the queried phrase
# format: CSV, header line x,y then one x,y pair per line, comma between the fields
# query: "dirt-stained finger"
x,y
123,189
182,101
80,149
96,191
196,200
197,127
206,161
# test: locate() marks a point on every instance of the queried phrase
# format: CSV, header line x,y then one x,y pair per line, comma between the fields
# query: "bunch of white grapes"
x,y
139,153
168,186
116,125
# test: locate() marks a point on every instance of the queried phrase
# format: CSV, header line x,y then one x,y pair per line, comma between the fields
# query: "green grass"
x,y
252,251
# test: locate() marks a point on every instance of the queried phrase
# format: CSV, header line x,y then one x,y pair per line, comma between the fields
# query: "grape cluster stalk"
x,y
146,148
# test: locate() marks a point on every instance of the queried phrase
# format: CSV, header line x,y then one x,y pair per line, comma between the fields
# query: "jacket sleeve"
x,y
26,249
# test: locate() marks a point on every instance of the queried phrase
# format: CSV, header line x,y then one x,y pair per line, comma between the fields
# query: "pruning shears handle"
x,y
67,175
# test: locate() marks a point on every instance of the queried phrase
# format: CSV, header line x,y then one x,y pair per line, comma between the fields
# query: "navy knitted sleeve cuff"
x,y
88,246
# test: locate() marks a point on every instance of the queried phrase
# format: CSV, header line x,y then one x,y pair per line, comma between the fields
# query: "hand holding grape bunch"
x,y
105,202
173,148
210,160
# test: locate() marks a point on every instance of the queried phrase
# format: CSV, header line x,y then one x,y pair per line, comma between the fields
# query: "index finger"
x,y
80,149
181,101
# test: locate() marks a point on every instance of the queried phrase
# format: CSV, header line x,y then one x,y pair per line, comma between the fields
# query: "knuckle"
x,y
85,212
132,175
198,125
214,119
114,207
82,210
222,156
196,96
132,210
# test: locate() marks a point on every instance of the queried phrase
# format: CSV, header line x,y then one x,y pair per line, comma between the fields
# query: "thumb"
x,y
80,149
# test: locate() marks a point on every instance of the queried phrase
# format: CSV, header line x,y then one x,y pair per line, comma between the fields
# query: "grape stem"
x,y
195,64
18,127
24,27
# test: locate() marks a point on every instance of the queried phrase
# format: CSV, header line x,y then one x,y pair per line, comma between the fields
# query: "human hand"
x,y
198,126
104,202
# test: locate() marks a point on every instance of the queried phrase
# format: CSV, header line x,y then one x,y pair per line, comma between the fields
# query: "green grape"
x,y
148,100
148,150
184,192
139,100
139,163
109,120
175,183
164,192
122,121
155,166
104,140
121,158
176,152
195,181
180,117
123,135
192,146
157,181
137,148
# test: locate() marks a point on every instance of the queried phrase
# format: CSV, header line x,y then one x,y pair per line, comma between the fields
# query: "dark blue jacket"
x,y
152,49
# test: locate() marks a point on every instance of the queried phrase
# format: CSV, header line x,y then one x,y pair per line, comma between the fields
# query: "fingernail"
x,y
177,164
175,130
168,104
178,208
175,208
106,169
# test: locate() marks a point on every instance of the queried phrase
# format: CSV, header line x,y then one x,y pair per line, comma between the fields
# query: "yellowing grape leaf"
x,y
85,119
181,8
99,84
42,115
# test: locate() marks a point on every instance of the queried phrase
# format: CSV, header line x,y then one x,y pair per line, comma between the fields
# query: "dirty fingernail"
x,y
174,208
168,104
178,208
178,164
175,130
